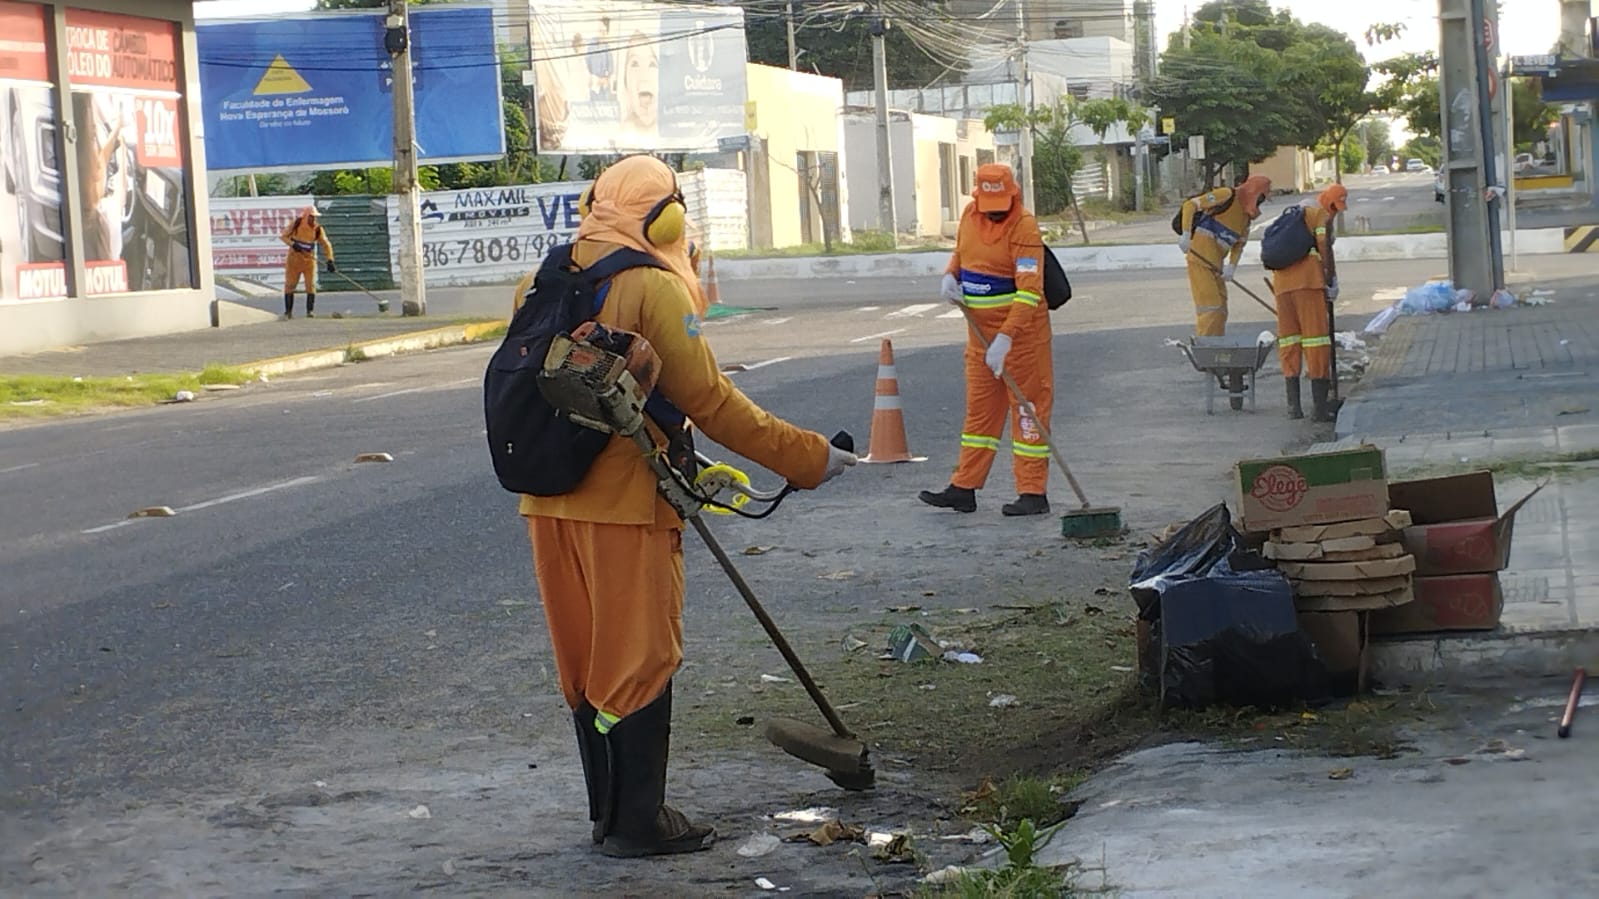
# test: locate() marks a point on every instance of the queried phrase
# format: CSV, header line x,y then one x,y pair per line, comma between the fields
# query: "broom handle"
x,y
778,640
1027,404
1250,293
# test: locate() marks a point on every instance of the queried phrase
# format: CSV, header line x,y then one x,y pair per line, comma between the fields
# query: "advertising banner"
x,y
123,72
245,235
315,90
491,235
616,76
30,205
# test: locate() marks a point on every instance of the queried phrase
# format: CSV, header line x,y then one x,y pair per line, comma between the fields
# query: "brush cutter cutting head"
x,y
844,759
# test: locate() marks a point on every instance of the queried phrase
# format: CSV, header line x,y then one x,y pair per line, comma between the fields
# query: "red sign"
x,y
23,55
158,146
105,276
41,281
1488,35
121,51
1280,488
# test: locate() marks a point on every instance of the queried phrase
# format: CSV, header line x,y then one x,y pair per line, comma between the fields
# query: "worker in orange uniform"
x,y
302,237
996,272
1215,226
609,555
1304,291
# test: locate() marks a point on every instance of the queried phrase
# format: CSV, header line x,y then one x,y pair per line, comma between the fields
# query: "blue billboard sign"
x,y
315,91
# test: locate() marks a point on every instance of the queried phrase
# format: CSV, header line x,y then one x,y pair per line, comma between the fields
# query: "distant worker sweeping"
x,y
1298,247
1213,229
997,275
303,236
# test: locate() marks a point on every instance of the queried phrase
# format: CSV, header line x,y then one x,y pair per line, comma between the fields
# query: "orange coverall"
x,y
1218,240
1000,267
1303,331
609,555
302,237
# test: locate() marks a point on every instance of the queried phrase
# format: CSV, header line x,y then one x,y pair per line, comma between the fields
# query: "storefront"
x,y
103,175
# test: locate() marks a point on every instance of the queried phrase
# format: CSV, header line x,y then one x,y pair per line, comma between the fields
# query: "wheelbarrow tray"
x,y
1220,357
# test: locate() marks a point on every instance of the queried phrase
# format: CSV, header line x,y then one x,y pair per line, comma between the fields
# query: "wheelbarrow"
x,y
1232,361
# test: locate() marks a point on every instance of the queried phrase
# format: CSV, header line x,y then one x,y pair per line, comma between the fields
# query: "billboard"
x,y
490,235
315,90
616,76
31,243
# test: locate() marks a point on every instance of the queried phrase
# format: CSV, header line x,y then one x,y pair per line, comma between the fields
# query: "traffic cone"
x,y
713,293
888,417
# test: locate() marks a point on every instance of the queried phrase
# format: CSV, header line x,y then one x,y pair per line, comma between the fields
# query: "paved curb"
x,y
1481,658
412,342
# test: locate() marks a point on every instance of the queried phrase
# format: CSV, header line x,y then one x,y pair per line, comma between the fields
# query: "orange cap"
x,y
996,189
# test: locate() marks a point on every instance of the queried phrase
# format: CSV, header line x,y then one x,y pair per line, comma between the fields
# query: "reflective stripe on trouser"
x,y
1210,300
299,265
988,401
613,600
1302,324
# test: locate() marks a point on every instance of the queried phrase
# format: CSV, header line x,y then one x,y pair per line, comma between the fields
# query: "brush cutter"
x,y
601,378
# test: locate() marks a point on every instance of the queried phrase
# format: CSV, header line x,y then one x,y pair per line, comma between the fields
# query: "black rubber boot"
x,y
958,498
310,305
288,305
1026,504
596,766
640,822
1296,408
1320,394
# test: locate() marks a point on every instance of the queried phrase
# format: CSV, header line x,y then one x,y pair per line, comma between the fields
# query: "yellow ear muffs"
x,y
585,202
665,223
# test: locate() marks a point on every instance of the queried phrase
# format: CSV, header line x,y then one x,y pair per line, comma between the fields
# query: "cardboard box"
x,y
1394,520
1364,602
1462,602
1320,489
1458,528
1349,571
1369,587
1317,552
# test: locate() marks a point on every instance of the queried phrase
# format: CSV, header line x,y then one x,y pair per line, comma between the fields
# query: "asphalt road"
x,y
304,617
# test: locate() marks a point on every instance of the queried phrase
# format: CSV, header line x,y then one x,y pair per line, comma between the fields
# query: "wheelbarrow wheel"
x,y
1235,391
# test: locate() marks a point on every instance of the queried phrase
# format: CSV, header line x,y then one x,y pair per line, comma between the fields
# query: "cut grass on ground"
x,y
40,396
1054,697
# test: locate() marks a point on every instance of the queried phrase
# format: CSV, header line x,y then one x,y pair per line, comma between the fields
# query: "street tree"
x,y
1056,157
1103,114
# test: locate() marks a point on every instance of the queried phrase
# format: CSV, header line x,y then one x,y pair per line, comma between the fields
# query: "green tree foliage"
x,y
1410,90
1352,155
1252,79
1529,113
1379,141
1427,149
1056,158
838,47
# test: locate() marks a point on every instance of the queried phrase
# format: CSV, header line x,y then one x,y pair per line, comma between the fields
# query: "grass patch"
x,y
43,396
1023,798
497,332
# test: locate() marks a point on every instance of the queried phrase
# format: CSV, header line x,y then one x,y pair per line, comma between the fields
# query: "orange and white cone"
x,y
888,416
708,286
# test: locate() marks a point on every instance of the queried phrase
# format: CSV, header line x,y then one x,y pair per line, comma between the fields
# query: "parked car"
x,y
1438,187
1415,165
1524,161
1379,170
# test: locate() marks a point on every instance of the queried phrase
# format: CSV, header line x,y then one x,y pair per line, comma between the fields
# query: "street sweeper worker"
x,y
1304,290
608,556
303,236
996,273
1215,227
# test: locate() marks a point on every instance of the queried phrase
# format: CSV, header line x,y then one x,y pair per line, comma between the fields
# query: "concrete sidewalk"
x,y
273,347
1482,389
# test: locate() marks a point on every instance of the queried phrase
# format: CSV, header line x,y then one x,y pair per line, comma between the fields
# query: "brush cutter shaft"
x,y
770,627
1027,404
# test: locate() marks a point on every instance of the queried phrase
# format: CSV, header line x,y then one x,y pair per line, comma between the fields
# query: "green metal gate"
x,y
358,226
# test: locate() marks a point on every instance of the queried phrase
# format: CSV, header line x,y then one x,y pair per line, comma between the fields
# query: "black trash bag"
x,y
1223,628
1193,551
1234,639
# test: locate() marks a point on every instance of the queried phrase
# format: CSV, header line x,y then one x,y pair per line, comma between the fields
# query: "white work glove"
x,y
1183,243
1332,289
950,289
997,351
837,461
1228,270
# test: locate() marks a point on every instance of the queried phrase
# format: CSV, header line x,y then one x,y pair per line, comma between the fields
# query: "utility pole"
x,y
1472,223
793,55
397,40
1025,96
885,156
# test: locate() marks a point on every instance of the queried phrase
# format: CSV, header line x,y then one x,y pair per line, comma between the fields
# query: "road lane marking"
x,y
876,336
868,308
408,390
221,500
777,321
23,467
767,362
912,311
953,313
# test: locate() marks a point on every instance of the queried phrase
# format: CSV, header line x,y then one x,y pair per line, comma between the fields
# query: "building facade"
x,y
102,217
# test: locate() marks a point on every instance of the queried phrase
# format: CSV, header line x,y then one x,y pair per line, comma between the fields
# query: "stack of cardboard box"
x,y
1329,526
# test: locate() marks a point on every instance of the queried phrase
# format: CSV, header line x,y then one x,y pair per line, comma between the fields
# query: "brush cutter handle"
x,y
770,627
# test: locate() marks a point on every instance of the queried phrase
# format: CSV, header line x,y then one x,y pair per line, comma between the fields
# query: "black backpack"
x,y
1199,214
535,449
1286,240
1057,289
